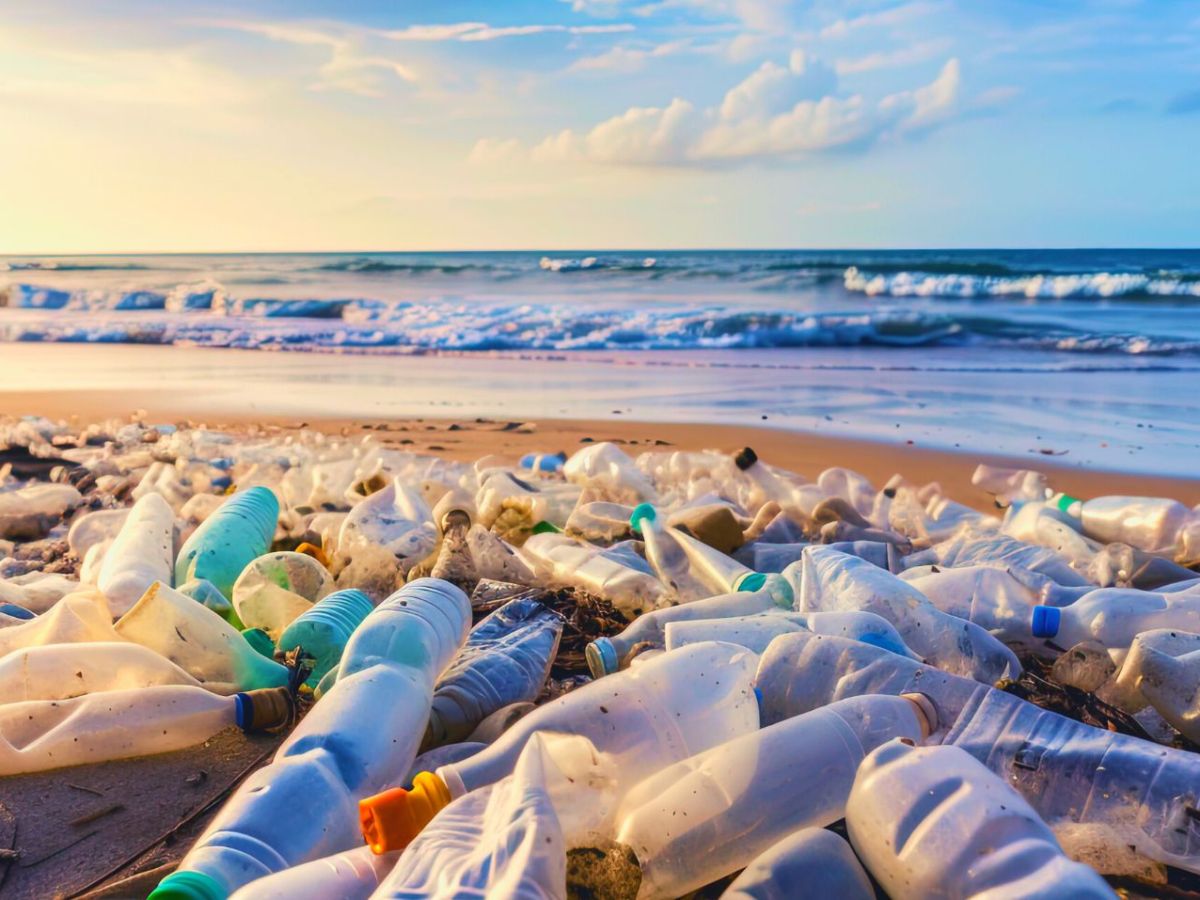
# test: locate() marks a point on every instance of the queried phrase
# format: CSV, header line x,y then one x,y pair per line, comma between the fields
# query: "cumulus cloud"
x,y
776,111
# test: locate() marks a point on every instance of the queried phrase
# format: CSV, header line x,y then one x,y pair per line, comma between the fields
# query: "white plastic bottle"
x,y
606,655
199,641
711,814
826,580
141,554
615,573
1149,523
349,875
62,671
46,734
1113,617
276,588
932,822
812,862
756,632
991,597
361,736
670,707
1162,669
79,616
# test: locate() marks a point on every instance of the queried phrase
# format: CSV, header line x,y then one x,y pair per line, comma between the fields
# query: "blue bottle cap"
x,y
642,511
751,581
601,657
1046,620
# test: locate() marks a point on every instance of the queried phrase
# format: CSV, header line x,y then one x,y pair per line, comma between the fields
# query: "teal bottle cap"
x,y
751,581
642,511
183,885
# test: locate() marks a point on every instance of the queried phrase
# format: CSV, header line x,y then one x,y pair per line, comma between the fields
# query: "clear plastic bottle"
x,y
505,660
992,548
599,520
349,875
711,814
198,641
225,543
503,840
361,736
454,515
1163,670
62,671
615,573
277,587
668,558
391,530
664,710
606,471
992,598
825,580
1129,796
933,822
141,554
756,632
811,862
1113,617
606,655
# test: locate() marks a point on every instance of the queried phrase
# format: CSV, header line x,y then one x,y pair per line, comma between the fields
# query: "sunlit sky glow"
x,y
142,125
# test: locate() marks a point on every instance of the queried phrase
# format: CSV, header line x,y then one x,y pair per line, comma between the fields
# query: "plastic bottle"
x,y
349,875
992,598
47,734
1163,669
361,736
77,617
198,641
323,631
606,655
756,632
615,573
1010,485
599,520
1123,796
62,671
95,528
606,471
1113,617
825,580
140,555
666,555
543,462
37,591
260,641
511,506
503,840
505,660
933,822
454,515
810,862
995,549
711,814
649,716
206,594
1149,523
226,542
275,588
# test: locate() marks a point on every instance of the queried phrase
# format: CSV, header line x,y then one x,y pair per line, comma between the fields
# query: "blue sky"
x,y
271,125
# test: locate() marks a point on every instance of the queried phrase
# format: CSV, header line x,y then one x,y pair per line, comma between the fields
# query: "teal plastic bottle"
x,y
240,530
324,630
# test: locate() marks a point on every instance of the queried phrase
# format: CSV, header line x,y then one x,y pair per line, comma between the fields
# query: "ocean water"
x,y
1094,354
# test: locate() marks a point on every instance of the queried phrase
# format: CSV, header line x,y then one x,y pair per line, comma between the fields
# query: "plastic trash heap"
x,y
361,736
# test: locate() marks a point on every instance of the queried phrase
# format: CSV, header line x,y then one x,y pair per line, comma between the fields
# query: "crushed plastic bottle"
x,y
63,671
198,641
304,804
79,616
505,660
711,814
1162,669
825,580
276,588
228,540
933,822
616,573
810,862
656,713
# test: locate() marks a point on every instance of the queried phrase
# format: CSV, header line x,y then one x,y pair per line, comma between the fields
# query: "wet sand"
x,y
469,438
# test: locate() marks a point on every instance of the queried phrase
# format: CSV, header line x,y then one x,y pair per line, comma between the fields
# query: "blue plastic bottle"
x,y
240,530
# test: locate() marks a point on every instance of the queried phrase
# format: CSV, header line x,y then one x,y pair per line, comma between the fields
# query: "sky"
x,y
298,125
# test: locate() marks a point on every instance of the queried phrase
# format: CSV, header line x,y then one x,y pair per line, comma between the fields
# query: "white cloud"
x,y
629,59
488,151
904,56
883,19
481,31
349,68
776,111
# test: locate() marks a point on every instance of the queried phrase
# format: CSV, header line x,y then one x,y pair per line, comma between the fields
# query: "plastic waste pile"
x,y
607,675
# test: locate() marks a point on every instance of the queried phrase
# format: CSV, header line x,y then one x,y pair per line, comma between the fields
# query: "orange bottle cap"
x,y
392,818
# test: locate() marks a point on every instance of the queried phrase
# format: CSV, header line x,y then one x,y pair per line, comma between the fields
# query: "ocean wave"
x,y
1089,285
338,325
596,263
53,266
368,266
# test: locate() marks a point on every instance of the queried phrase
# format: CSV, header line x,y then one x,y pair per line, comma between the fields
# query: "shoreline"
x,y
469,438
